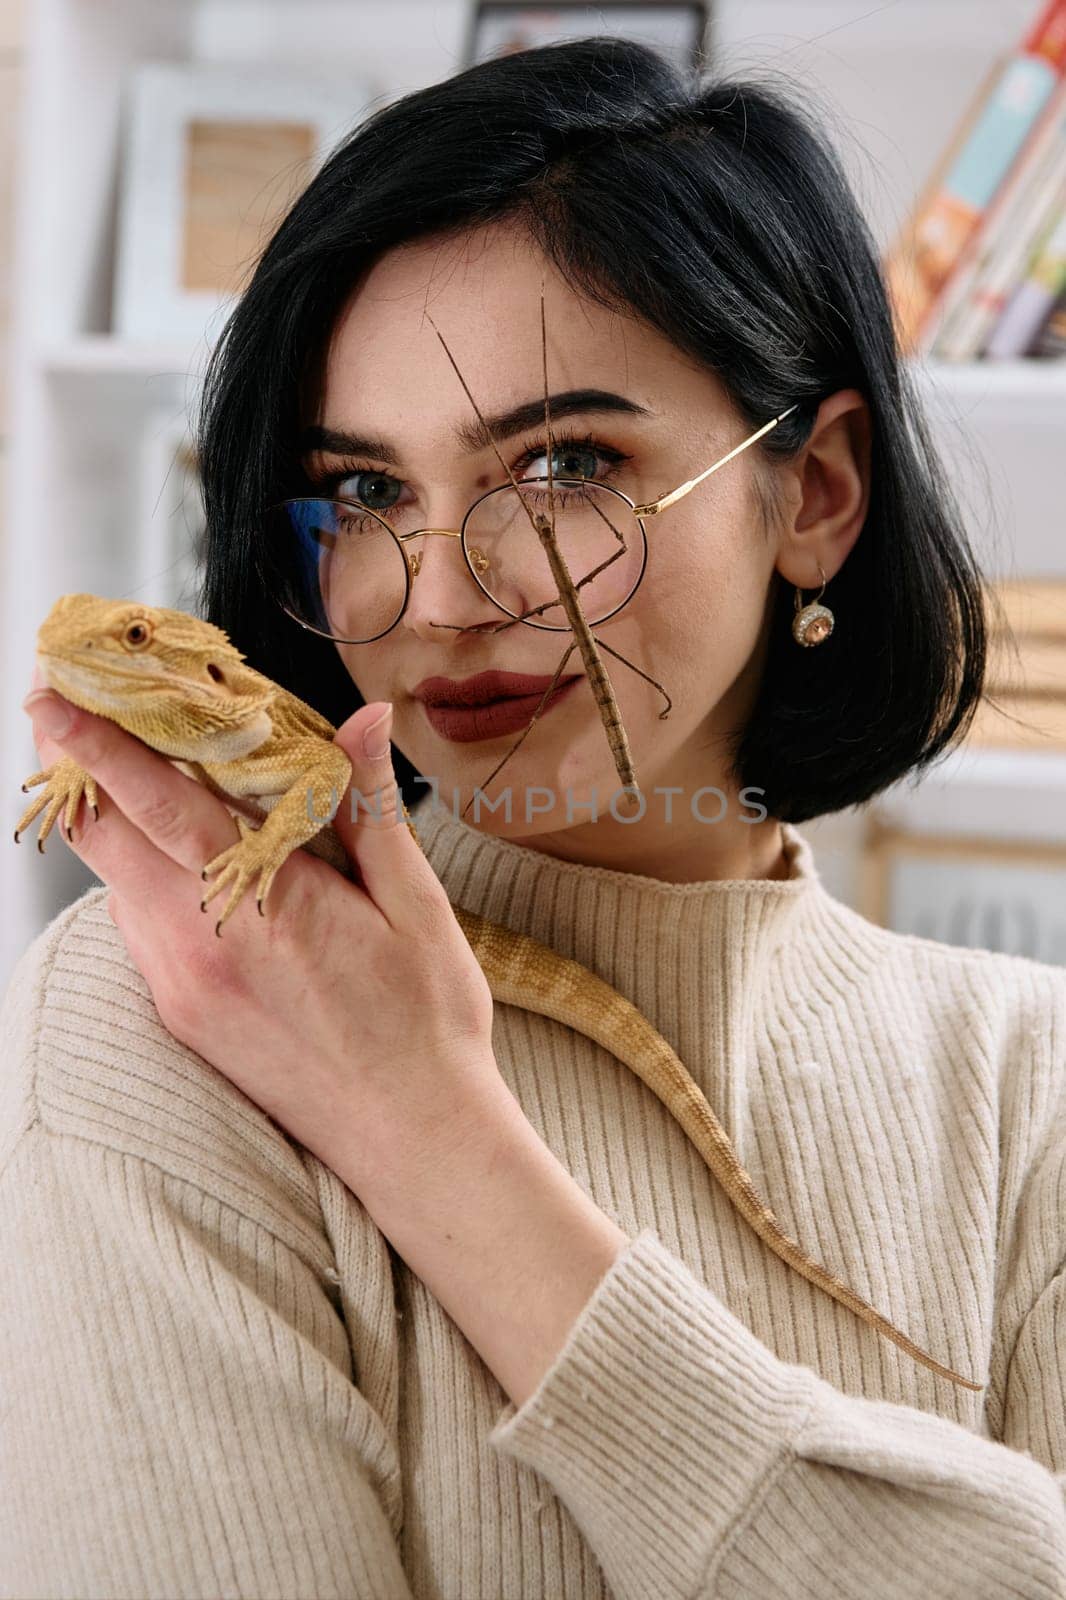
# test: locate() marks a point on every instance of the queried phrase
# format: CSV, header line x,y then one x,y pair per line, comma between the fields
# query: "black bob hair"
x,y
717,212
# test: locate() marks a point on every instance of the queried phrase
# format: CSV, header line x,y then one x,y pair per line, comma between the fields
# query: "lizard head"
x,y
166,677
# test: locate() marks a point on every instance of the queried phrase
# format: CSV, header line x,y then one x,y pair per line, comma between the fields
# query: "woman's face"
x,y
697,623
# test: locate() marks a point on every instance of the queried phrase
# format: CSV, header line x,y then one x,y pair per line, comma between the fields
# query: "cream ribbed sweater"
x,y
219,1379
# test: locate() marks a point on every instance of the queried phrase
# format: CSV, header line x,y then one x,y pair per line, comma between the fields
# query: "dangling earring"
x,y
814,622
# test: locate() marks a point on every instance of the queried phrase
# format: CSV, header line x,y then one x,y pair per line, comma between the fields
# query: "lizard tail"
x,y
523,972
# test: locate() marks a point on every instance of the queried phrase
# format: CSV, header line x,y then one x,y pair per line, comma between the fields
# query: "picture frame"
x,y
500,26
212,159
1007,895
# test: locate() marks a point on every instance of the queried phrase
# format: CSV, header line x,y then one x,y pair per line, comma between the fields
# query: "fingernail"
x,y
376,737
48,712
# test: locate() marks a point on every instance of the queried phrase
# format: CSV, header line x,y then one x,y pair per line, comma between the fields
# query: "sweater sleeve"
x,y
178,1410
698,1464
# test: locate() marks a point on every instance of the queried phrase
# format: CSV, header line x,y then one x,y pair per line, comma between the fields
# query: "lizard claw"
x,y
252,856
65,783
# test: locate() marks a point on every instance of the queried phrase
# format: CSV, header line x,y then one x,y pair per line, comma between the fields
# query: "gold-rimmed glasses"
x,y
346,573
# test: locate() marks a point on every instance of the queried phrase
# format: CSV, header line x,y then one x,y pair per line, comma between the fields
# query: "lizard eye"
x,y
136,635
215,672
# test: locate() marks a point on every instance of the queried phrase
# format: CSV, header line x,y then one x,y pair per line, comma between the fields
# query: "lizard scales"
x,y
178,684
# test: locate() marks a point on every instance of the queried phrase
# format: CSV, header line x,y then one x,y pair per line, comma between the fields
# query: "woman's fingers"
x,y
177,815
370,822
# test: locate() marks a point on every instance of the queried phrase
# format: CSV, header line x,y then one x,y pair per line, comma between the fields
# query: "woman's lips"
x,y
465,725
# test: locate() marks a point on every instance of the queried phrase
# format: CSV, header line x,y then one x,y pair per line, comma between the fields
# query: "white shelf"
x,y
1017,795
101,354
1034,379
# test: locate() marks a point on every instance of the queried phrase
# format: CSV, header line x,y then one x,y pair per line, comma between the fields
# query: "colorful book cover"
x,y
1002,247
997,127
1032,302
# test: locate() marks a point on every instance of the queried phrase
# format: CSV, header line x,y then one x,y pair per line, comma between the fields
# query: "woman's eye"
x,y
568,461
374,489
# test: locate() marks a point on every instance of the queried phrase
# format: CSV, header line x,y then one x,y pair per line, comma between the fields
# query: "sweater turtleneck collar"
x,y
705,962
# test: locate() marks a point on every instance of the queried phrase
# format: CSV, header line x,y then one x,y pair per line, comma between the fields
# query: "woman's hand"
x,y
354,1014
357,1017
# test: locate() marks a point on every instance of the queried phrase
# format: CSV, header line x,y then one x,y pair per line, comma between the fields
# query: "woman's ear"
x,y
826,492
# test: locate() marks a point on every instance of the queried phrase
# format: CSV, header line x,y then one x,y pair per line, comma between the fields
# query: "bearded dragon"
x,y
179,685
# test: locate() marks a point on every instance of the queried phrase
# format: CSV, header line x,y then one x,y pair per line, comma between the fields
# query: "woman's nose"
x,y
443,590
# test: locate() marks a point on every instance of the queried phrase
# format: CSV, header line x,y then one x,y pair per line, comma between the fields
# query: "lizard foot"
x,y
65,783
238,865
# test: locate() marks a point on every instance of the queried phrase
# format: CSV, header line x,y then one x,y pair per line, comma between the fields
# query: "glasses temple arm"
x,y
677,494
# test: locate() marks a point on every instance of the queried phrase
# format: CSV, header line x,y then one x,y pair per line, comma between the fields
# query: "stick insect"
x,y
584,640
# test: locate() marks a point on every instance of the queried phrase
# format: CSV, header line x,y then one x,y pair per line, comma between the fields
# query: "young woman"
x,y
323,1276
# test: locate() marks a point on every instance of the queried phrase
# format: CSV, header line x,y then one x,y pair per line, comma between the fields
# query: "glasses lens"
x,y
342,571
600,540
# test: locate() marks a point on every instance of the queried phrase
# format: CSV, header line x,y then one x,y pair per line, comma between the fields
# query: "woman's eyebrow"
x,y
472,436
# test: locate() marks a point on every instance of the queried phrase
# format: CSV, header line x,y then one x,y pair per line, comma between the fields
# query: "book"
x,y
1050,342
1031,303
905,264
993,134
1002,246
